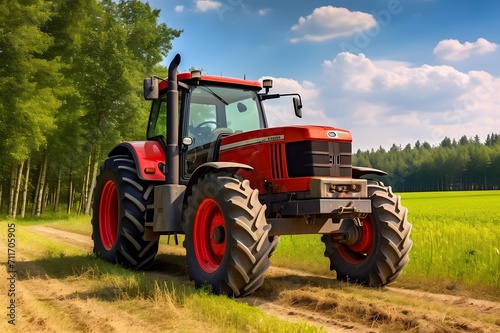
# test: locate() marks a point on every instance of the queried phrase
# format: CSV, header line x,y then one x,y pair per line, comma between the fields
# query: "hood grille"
x,y
319,158
277,161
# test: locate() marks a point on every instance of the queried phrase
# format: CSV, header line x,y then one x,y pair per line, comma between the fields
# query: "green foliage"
x,y
28,101
71,82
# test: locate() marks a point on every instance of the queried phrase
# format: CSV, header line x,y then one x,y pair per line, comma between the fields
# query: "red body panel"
x,y
264,150
147,155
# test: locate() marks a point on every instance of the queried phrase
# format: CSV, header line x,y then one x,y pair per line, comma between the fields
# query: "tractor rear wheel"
x,y
381,252
226,235
118,215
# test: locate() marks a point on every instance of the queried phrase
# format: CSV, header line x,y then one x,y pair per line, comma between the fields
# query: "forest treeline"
x,y
71,87
466,164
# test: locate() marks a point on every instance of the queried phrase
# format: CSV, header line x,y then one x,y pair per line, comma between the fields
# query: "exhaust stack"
x,y
172,126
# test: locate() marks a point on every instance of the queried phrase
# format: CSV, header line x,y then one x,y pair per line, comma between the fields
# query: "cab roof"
x,y
186,77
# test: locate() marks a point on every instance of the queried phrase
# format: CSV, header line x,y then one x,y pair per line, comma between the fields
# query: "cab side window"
x,y
202,120
157,125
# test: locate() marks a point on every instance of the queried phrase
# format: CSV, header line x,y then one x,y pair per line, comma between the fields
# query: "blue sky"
x,y
390,71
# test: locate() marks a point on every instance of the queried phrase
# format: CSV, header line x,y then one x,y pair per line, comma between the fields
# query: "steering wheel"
x,y
208,122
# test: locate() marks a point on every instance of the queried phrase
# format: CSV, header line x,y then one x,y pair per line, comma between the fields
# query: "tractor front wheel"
x,y
226,235
381,252
119,208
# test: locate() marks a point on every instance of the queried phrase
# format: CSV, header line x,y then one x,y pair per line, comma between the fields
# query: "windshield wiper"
x,y
215,95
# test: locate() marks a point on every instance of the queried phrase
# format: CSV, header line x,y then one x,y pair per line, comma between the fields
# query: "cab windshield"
x,y
215,111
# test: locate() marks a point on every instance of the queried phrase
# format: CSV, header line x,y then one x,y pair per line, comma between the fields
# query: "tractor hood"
x,y
288,157
285,134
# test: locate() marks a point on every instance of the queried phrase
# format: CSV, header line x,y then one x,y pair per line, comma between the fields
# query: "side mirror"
x,y
151,89
297,106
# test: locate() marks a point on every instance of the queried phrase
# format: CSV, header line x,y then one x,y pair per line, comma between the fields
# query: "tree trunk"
x,y
13,180
79,208
1,194
58,192
84,198
70,191
18,188
41,187
78,202
25,188
92,186
37,189
45,196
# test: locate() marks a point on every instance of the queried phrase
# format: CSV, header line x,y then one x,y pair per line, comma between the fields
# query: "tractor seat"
x,y
216,135
218,132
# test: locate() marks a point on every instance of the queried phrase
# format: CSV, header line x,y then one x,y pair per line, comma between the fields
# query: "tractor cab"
x,y
209,108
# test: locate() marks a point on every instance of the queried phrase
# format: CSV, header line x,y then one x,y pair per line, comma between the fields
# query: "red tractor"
x,y
213,170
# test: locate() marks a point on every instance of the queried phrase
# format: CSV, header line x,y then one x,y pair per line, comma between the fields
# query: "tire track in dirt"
x,y
46,304
74,313
79,241
334,306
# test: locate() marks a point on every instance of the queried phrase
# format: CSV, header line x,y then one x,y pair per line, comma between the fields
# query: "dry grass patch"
x,y
390,311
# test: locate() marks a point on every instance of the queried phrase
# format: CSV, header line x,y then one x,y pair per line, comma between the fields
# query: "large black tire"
x,y
226,235
118,216
382,251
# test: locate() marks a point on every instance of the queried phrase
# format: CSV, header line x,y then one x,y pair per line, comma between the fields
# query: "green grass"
x,y
302,252
240,317
456,237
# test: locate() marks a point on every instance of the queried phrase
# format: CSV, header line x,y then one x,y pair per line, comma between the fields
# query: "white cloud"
x,y
264,11
382,105
329,22
207,5
390,64
358,74
453,50
179,9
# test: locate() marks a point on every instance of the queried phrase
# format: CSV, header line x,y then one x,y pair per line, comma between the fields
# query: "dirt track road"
x,y
287,294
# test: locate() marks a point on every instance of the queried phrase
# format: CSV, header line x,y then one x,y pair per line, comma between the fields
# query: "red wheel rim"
x,y
108,215
209,235
357,253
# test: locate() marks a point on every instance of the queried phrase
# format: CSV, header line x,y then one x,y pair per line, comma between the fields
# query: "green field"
x,y
456,237
456,243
